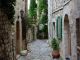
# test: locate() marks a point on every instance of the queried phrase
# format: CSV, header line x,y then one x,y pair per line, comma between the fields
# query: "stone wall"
x,y
6,52
29,35
20,4
72,9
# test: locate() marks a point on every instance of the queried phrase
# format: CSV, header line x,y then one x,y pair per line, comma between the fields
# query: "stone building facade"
x,y
18,25
69,11
6,41
20,5
11,36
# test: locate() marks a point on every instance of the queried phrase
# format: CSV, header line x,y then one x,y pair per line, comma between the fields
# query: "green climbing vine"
x,y
7,7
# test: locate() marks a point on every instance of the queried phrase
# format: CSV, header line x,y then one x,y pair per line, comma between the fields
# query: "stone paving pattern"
x,y
38,50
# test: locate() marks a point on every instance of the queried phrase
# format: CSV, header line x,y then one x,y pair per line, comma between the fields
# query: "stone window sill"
x,y
78,47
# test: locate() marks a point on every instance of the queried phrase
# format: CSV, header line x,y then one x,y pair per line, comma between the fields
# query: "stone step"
x,y
17,56
23,53
55,59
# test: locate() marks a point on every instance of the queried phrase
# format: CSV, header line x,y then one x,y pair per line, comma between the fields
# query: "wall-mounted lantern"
x,y
21,12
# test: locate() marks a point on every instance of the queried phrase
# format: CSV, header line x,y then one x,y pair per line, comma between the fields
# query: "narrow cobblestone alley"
x,y
38,50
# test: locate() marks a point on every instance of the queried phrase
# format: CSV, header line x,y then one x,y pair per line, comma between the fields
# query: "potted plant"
x,y
55,47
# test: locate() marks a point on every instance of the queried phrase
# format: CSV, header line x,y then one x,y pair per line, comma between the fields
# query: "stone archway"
x,y
78,37
78,31
67,36
53,29
17,37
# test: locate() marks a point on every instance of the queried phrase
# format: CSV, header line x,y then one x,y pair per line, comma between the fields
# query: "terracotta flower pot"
x,y
55,54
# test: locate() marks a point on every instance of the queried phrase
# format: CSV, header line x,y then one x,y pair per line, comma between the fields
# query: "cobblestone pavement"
x,y
38,50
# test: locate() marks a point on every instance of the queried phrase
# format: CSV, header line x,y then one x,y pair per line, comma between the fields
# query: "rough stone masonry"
x,y
5,38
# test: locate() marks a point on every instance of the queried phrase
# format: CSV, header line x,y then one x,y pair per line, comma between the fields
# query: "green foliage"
x,y
29,23
43,19
24,24
54,44
32,9
45,28
7,7
43,11
42,5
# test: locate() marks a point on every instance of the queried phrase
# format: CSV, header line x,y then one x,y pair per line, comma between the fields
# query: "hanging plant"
x,y
7,7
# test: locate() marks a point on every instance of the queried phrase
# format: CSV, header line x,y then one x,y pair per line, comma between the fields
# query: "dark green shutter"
x,y
57,27
61,27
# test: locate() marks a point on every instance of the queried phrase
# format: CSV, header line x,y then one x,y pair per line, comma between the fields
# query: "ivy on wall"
x,y
7,7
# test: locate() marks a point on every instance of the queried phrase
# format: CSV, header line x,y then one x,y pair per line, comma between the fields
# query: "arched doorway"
x,y
67,36
78,31
78,37
17,37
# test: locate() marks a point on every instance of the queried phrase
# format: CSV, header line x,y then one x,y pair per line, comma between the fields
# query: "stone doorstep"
x,y
23,53
17,56
56,59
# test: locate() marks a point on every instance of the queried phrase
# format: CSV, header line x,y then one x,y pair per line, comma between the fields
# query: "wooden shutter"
x,y
60,27
57,27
